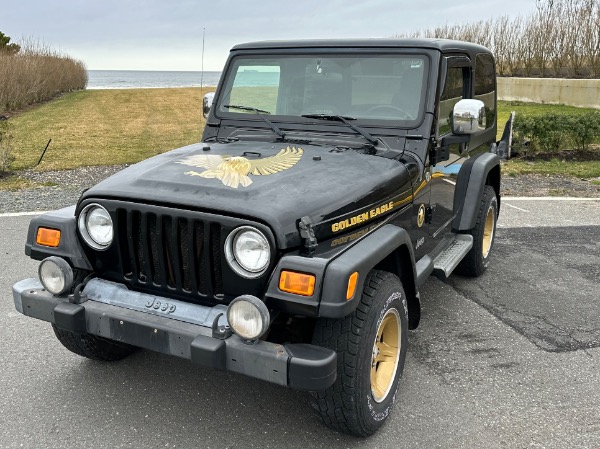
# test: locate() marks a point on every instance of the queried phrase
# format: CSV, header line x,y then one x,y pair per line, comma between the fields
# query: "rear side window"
x,y
485,85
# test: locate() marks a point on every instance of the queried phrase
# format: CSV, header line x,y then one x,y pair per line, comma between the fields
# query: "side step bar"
x,y
457,247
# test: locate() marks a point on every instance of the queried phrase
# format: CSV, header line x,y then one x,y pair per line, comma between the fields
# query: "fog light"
x,y
56,275
248,317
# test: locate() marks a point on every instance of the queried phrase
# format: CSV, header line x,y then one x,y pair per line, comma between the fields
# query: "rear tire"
x,y
371,346
93,347
477,259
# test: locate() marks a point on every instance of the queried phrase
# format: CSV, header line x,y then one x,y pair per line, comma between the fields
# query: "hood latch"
x,y
308,234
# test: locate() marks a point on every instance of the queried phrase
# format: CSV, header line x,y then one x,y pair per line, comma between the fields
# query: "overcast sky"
x,y
167,35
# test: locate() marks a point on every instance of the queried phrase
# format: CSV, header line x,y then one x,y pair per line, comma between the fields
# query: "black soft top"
x,y
444,45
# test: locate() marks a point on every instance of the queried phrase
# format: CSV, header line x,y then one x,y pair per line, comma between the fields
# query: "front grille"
x,y
181,254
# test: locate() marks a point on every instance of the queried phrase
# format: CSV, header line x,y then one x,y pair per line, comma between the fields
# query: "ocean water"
x,y
136,79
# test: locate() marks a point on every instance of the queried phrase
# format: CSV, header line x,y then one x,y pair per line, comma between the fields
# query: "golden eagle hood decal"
x,y
234,170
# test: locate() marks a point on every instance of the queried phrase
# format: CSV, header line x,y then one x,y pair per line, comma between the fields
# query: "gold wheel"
x,y
386,353
488,232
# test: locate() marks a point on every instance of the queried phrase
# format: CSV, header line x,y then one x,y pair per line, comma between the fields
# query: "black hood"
x,y
303,180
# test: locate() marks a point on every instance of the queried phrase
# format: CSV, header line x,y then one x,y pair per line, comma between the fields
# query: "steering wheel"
x,y
325,109
405,115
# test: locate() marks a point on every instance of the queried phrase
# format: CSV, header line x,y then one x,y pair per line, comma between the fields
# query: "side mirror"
x,y
207,102
468,117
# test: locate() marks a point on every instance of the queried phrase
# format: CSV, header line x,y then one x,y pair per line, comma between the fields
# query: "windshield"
x,y
380,88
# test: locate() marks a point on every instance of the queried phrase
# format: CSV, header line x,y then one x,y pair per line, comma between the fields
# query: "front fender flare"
x,y
69,247
362,258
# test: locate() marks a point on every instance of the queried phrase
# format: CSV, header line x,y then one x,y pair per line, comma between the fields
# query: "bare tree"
x,y
560,38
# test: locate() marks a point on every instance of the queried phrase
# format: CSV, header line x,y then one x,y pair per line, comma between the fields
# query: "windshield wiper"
x,y
274,127
340,118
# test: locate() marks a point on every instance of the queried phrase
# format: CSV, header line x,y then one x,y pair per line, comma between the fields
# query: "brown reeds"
x,y
37,73
561,38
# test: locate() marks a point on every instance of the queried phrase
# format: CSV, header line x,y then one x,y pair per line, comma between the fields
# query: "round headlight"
x,y
248,251
248,317
56,275
96,226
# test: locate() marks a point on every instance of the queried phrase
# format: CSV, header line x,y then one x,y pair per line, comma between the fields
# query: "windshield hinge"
x,y
308,234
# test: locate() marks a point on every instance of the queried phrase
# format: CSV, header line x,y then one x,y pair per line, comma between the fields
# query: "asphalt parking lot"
x,y
508,360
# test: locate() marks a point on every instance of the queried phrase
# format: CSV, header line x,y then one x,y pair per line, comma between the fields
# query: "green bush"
x,y
584,129
554,132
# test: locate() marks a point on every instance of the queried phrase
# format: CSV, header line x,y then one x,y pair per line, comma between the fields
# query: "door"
x,y
444,173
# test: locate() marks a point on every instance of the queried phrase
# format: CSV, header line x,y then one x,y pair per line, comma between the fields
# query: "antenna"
x,y
202,72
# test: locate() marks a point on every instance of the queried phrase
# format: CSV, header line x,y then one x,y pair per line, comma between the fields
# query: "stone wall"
x,y
583,93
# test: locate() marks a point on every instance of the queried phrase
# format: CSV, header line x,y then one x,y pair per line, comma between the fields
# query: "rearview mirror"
x,y
468,117
207,102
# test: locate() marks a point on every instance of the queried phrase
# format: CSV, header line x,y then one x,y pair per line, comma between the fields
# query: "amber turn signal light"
x,y
48,237
352,281
297,283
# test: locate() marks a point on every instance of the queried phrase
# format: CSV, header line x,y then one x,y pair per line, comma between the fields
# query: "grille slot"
x,y
179,254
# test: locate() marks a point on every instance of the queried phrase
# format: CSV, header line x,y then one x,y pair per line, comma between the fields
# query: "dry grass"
x,y
15,183
36,74
106,127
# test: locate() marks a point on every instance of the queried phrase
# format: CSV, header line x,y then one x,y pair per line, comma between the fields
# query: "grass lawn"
x,y
106,127
584,170
123,126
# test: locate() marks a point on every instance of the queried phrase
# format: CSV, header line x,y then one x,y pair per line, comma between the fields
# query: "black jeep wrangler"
x,y
333,178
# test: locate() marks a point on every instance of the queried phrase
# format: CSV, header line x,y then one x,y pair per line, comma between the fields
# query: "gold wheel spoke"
x,y
387,353
381,385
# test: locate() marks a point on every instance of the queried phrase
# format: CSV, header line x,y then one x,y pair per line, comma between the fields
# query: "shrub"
x,y
584,129
6,156
554,132
35,74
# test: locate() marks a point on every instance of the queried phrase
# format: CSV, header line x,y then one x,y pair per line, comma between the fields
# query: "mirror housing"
x,y
207,102
468,117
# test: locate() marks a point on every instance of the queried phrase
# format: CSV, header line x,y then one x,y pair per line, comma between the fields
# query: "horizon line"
x,y
151,70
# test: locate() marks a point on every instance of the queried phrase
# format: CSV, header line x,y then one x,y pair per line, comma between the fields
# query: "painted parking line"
x,y
547,198
514,207
23,214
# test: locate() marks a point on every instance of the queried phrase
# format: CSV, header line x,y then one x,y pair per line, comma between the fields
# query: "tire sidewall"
x,y
492,202
390,297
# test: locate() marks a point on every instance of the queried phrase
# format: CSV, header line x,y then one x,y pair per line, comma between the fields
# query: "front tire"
x,y
93,347
371,345
477,259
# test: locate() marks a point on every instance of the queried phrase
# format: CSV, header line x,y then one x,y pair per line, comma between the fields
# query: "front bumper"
x,y
176,328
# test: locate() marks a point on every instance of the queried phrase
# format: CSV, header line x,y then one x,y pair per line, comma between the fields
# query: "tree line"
x,y
560,38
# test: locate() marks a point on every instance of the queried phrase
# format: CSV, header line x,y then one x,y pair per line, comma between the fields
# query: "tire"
x,y
357,403
93,347
477,259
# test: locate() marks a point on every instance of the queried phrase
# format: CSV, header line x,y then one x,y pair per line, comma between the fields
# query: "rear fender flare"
x,y
474,175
